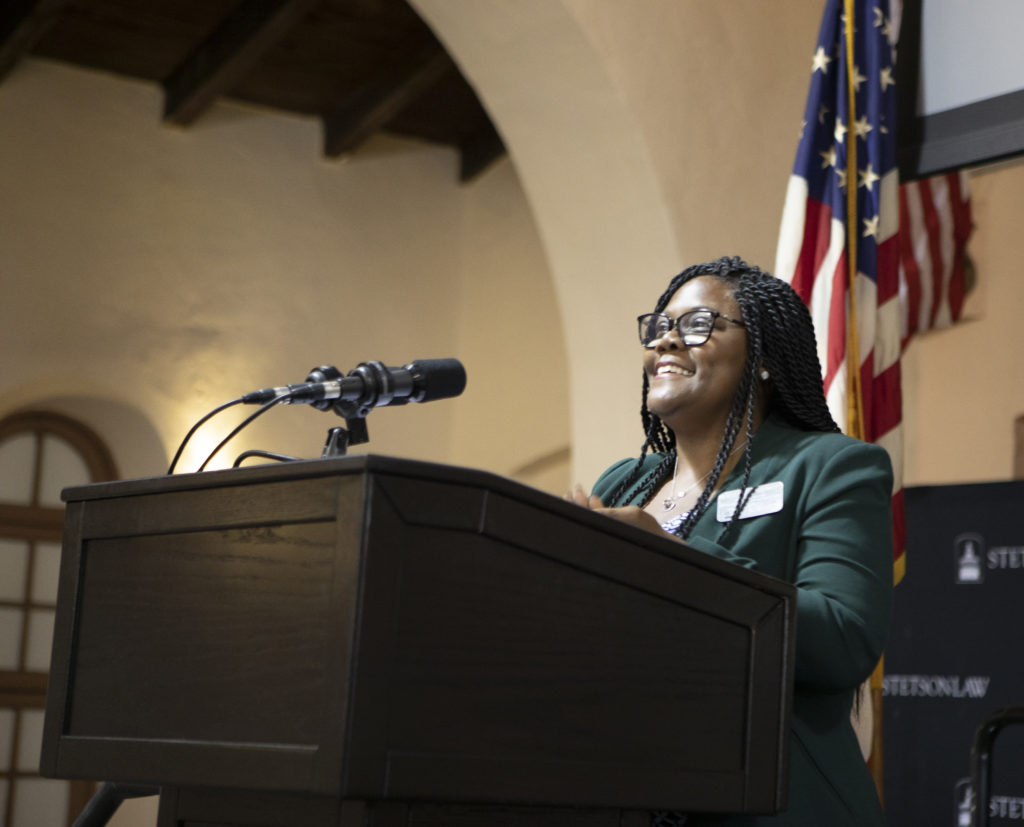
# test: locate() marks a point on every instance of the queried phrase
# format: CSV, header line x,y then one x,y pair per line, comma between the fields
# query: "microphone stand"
x,y
338,438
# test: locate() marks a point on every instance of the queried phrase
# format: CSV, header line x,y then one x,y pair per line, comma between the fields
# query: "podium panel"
x,y
368,629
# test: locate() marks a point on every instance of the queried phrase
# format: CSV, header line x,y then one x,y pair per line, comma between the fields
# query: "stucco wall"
x,y
152,273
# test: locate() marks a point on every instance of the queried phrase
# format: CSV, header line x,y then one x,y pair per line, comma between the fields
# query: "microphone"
x,y
370,385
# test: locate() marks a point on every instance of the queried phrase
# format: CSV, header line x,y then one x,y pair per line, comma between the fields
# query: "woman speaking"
x,y
742,460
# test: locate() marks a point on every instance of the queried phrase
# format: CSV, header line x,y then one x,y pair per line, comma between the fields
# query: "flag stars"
x,y
871,227
868,177
862,127
841,178
828,158
822,113
885,78
820,61
840,132
857,79
881,22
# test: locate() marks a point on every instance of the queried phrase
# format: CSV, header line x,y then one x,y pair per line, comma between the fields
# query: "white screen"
x,y
970,51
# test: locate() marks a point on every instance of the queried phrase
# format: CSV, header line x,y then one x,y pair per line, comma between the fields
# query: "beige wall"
x,y
151,273
717,90
964,387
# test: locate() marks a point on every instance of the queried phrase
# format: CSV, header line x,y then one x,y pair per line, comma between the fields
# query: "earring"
x,y
764,374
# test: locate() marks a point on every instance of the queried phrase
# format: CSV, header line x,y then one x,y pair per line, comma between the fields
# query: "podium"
x,y
376,641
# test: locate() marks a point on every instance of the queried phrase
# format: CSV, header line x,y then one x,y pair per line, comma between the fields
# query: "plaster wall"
x,y
717,92
152,273
963,387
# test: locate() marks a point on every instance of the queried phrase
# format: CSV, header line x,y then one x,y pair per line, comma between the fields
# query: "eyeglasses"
x,y
694,328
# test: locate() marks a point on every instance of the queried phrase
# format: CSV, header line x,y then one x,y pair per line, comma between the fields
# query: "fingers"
x,y
628,514
577,495
636,516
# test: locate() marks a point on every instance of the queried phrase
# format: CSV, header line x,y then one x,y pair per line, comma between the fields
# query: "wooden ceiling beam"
x,y
22,23
227,55
479,150
365,113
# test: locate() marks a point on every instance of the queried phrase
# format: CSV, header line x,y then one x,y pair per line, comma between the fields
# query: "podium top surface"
x,y
382,465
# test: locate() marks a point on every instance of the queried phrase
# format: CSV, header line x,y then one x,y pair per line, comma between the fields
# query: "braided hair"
x,y
780,337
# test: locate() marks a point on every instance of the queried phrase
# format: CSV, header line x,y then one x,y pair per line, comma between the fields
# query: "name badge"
x,y
765,499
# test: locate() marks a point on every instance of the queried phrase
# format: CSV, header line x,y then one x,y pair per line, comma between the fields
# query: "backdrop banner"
x,y
956,654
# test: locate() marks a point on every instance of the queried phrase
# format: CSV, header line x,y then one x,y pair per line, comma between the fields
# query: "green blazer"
x,y
827,529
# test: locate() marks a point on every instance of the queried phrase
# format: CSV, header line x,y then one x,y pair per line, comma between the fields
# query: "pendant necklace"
x,y
670,501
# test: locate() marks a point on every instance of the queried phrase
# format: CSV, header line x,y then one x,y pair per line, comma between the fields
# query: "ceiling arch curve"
x,y
586,170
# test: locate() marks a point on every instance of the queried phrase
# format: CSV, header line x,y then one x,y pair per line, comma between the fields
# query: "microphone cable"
x,y
194,428
242,425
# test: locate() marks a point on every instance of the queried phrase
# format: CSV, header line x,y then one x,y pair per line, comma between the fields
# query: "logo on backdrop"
x,y
935,686
964,799
972,558
1009,807
970,548
1006,557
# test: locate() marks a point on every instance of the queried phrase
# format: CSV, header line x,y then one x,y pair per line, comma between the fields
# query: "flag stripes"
x,y
842,214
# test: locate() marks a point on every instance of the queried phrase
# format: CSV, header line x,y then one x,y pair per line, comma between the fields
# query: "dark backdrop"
x,y
956,653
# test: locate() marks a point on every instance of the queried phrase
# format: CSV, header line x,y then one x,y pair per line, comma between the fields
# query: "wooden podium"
x,y
375,641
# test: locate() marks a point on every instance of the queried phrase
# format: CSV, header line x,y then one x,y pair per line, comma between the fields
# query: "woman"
x,y
742,460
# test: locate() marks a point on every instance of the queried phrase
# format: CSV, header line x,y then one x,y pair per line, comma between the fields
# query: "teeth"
x,y
673,369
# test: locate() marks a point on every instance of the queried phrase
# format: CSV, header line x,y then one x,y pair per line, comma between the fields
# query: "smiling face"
x,y
692,388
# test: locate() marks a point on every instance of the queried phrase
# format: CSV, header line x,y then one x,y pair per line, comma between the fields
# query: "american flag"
x,y
874,261
935,224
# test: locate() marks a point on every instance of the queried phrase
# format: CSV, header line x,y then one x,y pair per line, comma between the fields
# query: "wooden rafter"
x,y
479,150
22,23
227,55
365,113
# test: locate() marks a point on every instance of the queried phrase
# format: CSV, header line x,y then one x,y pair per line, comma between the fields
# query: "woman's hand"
x,y
579,496
628,514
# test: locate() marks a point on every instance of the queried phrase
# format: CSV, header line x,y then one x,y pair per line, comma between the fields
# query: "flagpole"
x,y
855,409
854,396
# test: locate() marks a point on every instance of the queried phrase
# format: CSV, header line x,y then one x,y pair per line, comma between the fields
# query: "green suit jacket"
x,y
827,529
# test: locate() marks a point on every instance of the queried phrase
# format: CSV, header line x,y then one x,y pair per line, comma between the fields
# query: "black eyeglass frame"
x,y
686,338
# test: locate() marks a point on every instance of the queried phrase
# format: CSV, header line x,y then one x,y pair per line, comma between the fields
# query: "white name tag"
x,y
765,499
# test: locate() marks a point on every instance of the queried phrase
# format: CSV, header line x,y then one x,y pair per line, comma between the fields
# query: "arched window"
x,y
40,454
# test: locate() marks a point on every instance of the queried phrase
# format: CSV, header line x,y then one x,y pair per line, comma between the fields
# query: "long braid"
x,y
780,337
749,374
789,351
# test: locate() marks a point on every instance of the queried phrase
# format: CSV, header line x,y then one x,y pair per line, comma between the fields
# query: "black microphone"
x,y
370,385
